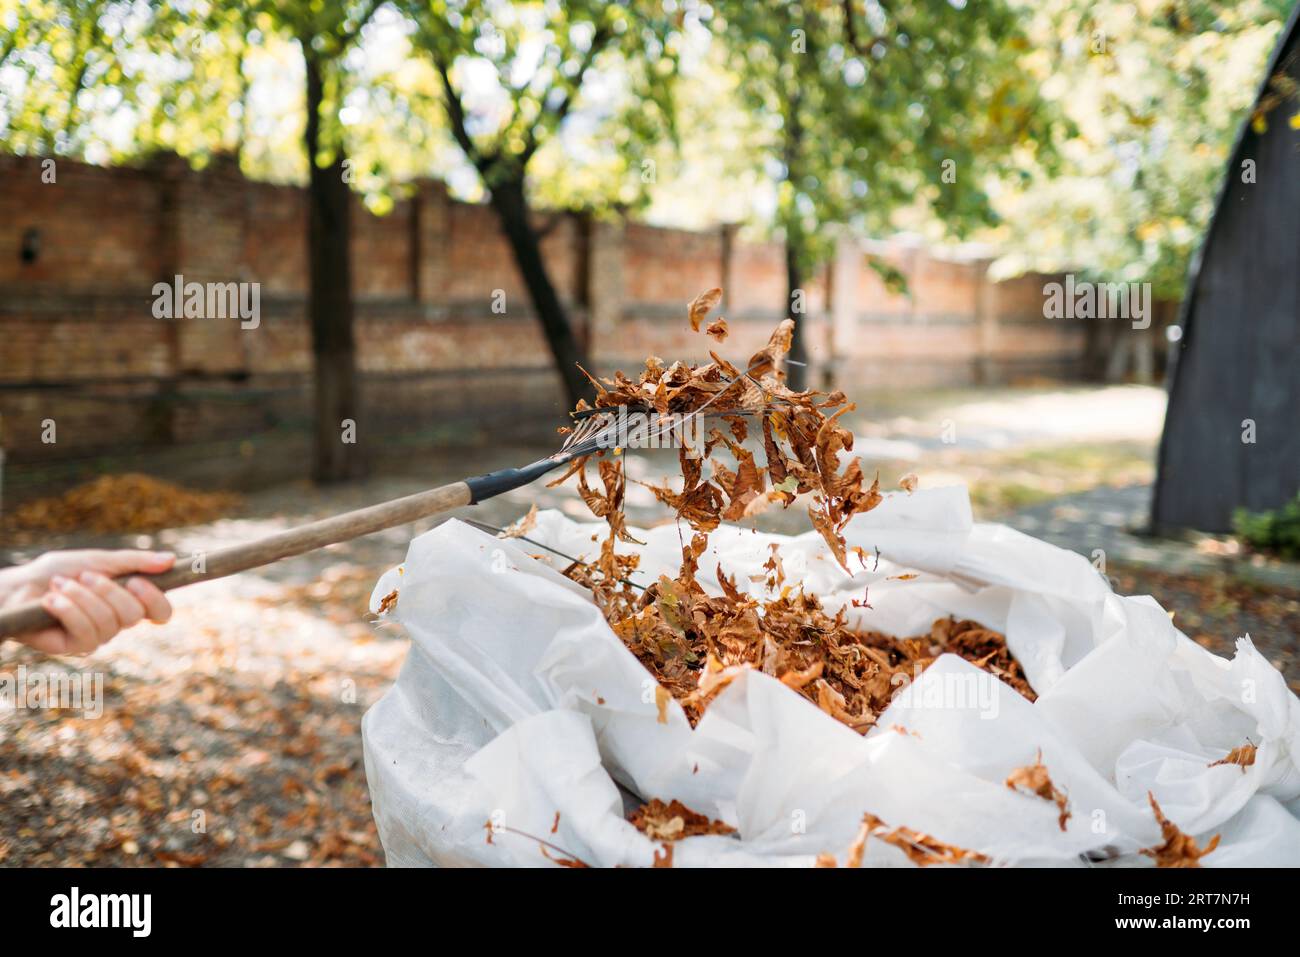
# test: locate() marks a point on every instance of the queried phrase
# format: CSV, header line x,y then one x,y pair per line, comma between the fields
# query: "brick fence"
x,y
212,403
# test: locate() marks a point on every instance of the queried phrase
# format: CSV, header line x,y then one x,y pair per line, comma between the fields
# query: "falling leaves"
x,y
802,438
1034,779
702,305
1178,849
694,643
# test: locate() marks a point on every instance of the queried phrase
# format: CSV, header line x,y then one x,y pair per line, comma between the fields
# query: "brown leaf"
x,y
825,526
1178,849
921,849
1243,756
859,846
702,305
693,642
674,821
662,697
1034,779
522,526
714,677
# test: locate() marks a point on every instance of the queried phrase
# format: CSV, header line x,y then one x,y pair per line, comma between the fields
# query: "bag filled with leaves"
x,y
898,686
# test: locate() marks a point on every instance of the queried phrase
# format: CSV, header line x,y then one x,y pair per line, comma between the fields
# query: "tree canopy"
x,y
1154,94
1090,135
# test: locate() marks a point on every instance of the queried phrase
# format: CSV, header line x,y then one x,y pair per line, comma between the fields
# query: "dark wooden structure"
x,y
1236,373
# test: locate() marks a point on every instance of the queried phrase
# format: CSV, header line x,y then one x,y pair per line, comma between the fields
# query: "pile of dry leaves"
x,y
123,503
695,643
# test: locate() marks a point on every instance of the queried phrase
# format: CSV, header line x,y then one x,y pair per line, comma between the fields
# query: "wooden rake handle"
x,y
264,551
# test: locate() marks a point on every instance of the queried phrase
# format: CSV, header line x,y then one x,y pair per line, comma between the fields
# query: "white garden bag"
x,y
519,706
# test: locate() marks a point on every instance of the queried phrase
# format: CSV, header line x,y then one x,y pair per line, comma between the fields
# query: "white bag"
x,y
519,707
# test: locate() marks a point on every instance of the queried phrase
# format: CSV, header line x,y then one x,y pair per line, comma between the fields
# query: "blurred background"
x,y
432,213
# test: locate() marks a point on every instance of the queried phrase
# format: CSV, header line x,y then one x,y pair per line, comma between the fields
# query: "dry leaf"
x,y
702,305
1034,779
662,697
694,642
1243,756
674,821
522,526
562,860
123,503
921,849
859,846
1179,849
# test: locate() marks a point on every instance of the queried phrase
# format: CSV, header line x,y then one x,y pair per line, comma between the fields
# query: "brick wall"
x,y
218,404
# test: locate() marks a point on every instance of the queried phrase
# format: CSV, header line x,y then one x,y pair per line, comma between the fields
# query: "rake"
x,y
592,433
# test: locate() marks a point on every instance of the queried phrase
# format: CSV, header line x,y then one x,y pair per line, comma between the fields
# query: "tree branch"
x,y
456,113
851,30
601,36
346,38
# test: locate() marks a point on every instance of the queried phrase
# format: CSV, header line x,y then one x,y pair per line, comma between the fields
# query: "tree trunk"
x,y
335,455
511,206
797,309
796,300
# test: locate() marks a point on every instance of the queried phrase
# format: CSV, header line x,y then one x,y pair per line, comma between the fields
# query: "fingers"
x,y
86,602
52,641
82,633
111,562
156,606
125,561
92,610
125,605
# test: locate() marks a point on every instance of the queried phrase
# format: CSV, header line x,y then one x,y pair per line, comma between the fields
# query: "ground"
x,y
231,736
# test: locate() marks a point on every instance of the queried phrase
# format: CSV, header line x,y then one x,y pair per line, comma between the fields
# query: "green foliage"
x,y
1155,93
875,110
56,54
532,63
1090,134
1276,531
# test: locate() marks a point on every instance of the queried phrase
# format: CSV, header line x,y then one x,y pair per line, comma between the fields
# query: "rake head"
x,y
626,426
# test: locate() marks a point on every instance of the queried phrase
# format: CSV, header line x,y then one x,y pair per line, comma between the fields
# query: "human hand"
x,y
77,589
